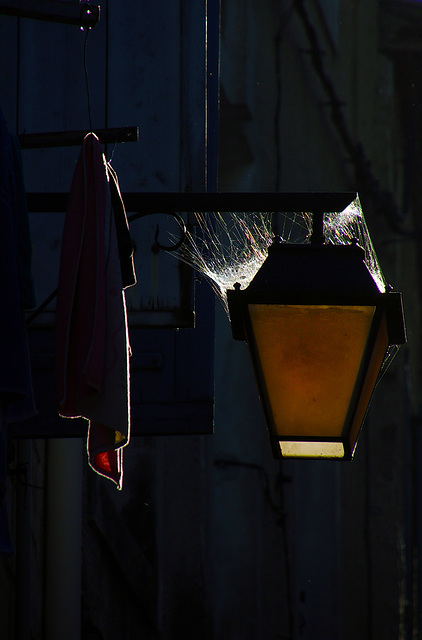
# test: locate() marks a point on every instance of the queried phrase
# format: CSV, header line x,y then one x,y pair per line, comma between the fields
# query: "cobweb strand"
x,y
230,247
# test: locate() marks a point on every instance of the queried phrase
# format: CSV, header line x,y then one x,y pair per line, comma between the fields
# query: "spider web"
x,y
230,247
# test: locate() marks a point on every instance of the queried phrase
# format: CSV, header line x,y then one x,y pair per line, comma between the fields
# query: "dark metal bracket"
x,y
209,202
84,15
144,204
74,138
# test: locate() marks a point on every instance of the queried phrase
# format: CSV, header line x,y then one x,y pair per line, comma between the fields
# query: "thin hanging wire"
x,y
18,72
112,152
106,79
87,30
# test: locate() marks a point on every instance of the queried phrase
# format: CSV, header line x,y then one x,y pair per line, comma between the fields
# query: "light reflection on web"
x,y
231,247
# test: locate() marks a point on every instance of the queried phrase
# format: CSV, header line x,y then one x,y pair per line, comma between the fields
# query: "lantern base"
x,y
311,450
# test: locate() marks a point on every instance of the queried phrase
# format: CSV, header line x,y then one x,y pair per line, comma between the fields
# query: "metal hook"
x,y
157,245
174,247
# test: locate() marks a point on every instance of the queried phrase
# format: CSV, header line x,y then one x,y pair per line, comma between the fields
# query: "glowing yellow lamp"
x,y
318,330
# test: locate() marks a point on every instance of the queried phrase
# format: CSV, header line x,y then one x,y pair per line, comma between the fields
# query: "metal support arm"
x,y
83,15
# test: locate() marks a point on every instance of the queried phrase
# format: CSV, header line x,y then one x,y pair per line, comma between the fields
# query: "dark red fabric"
x,y
80,311
91,342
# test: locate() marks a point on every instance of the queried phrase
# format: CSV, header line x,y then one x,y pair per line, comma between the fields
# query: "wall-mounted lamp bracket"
x,y
153,202
147,203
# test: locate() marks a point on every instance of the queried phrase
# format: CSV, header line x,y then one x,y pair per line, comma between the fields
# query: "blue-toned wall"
x,y
210,537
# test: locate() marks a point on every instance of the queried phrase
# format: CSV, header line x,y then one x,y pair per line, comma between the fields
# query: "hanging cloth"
x,y
124,239
91,337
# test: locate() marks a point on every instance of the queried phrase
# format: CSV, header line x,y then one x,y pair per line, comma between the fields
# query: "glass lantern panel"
x,y
308,358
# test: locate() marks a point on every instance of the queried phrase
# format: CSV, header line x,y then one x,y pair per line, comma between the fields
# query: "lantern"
x,y
318,330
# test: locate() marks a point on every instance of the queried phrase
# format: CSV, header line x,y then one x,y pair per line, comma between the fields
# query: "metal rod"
x,y
203,202
73,138
83,15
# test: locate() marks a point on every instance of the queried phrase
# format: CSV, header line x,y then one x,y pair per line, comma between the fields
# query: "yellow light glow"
x,y
310,358
312,449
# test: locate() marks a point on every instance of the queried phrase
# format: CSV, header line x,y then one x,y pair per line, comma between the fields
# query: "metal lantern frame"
x,y
315,277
